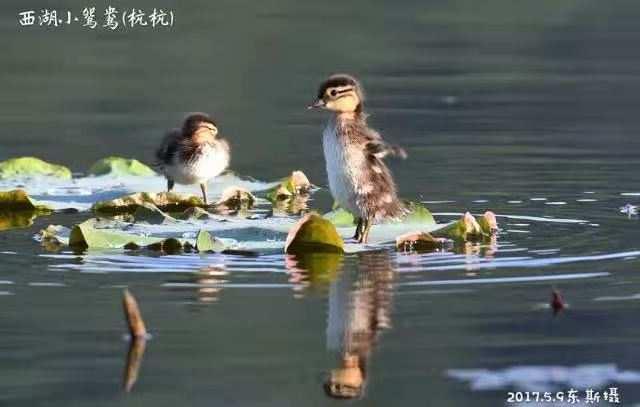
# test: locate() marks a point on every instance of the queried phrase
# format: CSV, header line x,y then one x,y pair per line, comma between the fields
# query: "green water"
x,y
496,103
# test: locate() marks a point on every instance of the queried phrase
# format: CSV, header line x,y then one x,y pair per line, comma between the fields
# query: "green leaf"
x,y
165,201
207,243
31,166
313,233
118,166
86,235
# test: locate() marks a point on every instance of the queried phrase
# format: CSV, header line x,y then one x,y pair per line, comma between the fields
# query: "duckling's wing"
x,y
168,148
379,148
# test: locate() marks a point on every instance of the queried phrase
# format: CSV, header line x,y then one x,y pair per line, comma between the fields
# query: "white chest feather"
x,y
209,163
342,163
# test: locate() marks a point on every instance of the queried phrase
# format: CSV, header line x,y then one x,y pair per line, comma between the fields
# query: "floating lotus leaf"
x,y
420,241
53,237
18,210
340,217
165,201
295,184
30,167
150,213
18,200
118,166
417,214
466,228
313,233
235,199
169,246
195,213
207,243
86,235
488,223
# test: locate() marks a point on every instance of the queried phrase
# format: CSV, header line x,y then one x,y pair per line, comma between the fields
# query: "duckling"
x,y
359,180
193,154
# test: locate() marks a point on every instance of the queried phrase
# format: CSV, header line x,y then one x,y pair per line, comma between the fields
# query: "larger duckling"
x,y
359,179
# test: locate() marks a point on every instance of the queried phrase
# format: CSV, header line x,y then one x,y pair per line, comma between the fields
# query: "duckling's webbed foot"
x,y
170,184
203,188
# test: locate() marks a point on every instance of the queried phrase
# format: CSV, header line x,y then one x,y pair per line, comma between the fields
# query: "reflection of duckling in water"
x,y
359,309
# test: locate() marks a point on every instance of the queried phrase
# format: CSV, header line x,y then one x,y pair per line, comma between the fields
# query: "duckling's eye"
x,y
333,92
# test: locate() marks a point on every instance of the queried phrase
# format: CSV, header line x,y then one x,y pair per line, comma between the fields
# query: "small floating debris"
x,y
138,334
135,323
629,210
557,302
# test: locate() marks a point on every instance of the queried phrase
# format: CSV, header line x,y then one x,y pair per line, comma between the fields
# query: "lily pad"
x,y
86,235
420,241
165,201
32,166
118,166
313,233
295,184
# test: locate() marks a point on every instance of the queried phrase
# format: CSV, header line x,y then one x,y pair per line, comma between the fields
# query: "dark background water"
x,y
495,101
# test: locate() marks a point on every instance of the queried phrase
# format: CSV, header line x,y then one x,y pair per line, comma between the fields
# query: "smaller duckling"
x,y
193,154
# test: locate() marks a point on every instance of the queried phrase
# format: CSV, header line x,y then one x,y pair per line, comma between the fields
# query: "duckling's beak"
x,y
318,103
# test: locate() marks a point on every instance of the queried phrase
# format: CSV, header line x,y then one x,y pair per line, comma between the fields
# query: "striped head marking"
x,y
200,127
340,93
